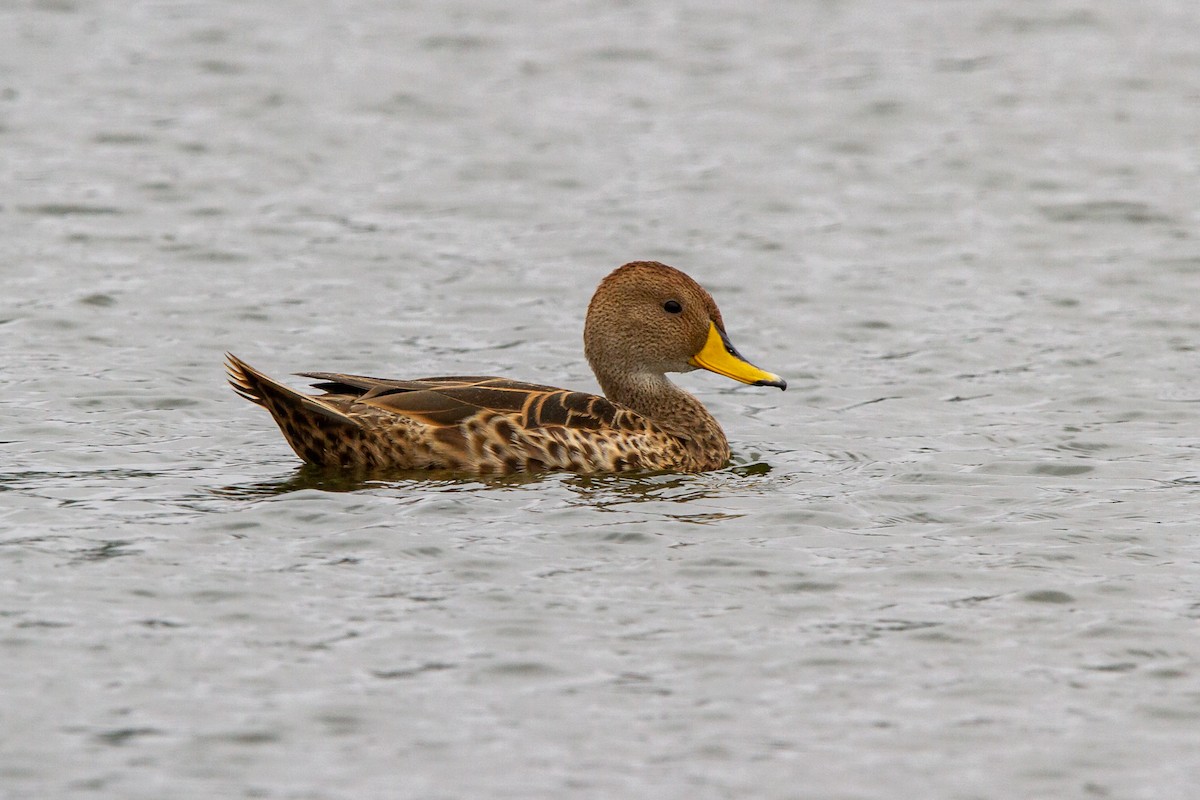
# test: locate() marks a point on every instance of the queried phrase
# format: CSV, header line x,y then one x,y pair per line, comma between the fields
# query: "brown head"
x,y
647,318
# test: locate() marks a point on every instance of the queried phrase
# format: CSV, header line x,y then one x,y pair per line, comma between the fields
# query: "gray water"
x,y
959,558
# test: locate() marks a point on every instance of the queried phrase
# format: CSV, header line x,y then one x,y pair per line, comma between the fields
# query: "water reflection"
x,y
592,490
333,479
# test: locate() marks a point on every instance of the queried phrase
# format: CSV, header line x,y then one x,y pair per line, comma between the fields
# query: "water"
x,y
957,559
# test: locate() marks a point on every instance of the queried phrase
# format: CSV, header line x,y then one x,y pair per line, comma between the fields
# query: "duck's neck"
x,y
669,407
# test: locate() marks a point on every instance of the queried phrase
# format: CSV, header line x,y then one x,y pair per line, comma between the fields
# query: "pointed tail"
x,y
311,427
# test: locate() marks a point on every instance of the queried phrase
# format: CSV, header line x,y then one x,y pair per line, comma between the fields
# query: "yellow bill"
x,y
719,355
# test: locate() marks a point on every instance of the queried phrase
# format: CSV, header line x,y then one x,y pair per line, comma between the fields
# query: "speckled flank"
x,y
499,443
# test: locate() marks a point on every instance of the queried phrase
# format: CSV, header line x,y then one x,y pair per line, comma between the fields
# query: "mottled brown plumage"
x,y
644,320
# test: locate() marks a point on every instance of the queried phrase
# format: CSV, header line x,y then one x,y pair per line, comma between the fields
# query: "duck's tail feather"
x,y
306,421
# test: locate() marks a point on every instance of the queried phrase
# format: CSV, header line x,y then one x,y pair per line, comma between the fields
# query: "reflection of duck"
x,y
645,319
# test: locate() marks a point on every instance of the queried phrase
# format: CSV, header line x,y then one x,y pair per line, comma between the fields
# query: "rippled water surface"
x,y
959,558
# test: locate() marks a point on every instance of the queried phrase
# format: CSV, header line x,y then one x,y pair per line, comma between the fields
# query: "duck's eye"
x,y
672,307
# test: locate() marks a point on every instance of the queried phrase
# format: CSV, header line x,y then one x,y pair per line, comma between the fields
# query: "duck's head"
x,y
648,318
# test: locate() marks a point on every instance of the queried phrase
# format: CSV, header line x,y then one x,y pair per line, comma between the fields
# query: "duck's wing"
x,y
447,401
363,385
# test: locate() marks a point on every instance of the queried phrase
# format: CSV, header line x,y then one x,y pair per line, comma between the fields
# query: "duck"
x,y
645,319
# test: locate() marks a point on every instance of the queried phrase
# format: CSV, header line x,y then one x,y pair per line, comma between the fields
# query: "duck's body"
x,y
644,320
474,424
